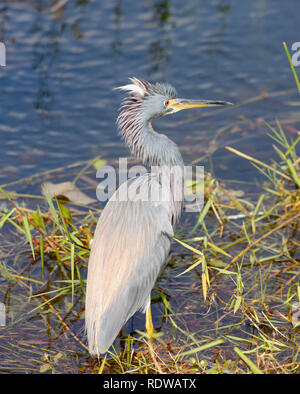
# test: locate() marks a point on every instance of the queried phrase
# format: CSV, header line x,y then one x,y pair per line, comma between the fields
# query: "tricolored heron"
x,y
132,238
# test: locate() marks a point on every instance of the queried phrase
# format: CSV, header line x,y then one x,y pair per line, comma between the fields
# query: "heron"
x,y
133,236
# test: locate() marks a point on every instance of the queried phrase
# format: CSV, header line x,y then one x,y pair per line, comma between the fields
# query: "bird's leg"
x,y
149,324
150,331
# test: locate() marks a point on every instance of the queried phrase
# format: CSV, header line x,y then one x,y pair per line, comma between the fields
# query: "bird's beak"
x,y
176,105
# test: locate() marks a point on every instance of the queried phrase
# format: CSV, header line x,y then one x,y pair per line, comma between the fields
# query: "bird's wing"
x,y
130,246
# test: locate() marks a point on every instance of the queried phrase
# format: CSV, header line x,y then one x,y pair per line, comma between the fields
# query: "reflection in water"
x,y
117,42
3,19
217,38
47,47
224,9
161,11
159,49
44,51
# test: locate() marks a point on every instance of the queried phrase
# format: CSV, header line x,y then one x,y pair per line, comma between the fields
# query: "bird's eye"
x,y
166,103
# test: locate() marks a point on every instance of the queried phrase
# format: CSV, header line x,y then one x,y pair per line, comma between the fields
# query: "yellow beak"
x,y
176,105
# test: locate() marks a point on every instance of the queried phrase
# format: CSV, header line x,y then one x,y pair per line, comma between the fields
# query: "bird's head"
x,y
157,100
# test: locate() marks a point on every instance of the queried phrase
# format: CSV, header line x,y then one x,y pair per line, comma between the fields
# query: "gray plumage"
x,y
132,238
123,271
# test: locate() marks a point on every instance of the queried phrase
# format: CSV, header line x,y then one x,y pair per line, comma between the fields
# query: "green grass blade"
x,y
42,254
188,246
72,268
199,261
19,228
217,249
61,293
293,172
203,347
247,361
102,365
52,209
204,211
28,234
4,218
292,66
292,147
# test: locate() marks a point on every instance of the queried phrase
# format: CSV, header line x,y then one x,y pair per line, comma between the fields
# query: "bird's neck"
x,y
162,154
152,148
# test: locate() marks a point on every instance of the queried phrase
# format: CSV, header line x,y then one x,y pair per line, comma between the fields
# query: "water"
x,y
57,105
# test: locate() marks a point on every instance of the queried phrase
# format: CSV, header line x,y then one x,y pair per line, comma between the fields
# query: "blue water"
x,y
57,105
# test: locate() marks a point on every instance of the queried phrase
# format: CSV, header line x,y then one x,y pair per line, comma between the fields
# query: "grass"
x,y
292,66
228,301
236,279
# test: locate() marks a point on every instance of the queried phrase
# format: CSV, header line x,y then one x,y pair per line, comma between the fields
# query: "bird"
x,y
133,235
